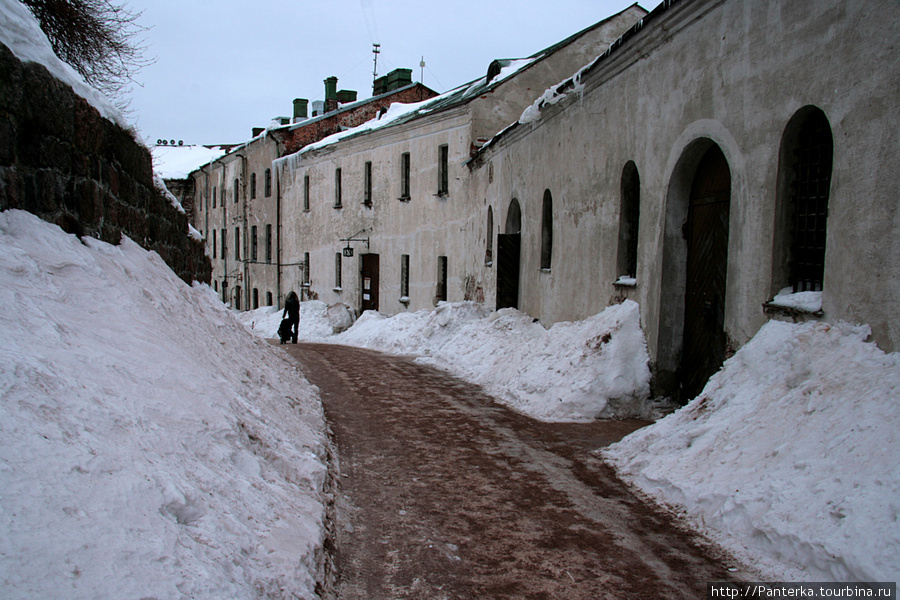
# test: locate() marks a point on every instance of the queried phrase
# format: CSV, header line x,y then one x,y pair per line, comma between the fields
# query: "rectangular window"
x,y
268,243
255,299
337,270
253,255
404,176
252,186
268,182
306,193
404,277
337,188
236,188
442,279
214,243
306,268
443,170
214,197
224,245
367,184
237,243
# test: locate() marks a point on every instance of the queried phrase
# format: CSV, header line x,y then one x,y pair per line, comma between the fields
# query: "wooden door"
x,y
508,251
706,231
369,282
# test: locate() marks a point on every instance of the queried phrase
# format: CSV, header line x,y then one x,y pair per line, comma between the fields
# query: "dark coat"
x,y
292,307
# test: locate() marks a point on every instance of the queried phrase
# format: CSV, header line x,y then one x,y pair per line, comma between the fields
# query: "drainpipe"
x,y
245,239
224,187
278,150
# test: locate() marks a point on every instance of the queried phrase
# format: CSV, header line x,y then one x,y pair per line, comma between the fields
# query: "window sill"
x,y
545,269
489,263
337,289
404,198
771,308
795,304
404,300
623,281
442,195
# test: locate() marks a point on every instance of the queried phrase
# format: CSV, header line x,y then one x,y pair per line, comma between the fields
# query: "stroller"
x,y
285,331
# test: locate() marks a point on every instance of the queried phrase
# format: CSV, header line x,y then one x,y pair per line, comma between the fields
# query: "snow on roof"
x,y
177,162
20,31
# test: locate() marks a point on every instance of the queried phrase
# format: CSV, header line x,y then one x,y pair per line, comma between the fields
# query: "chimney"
x,y
346,96
300,108
258,130
331,94
318,107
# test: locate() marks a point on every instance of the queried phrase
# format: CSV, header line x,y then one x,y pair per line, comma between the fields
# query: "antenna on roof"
x,y
375,50
422,67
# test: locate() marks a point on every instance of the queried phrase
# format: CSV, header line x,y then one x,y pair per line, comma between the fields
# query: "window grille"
x,y
809,201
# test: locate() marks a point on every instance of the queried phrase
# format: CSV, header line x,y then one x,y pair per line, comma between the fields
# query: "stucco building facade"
x,y
733,149
720,162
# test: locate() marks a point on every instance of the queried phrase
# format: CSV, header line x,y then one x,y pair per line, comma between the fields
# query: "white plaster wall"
x,y
733,73
424,227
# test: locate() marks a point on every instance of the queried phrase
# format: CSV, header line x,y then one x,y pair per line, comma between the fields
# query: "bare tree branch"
x,y
97,38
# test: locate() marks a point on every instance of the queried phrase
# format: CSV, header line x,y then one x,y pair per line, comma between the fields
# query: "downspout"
x,y
245,239
277,224
224,188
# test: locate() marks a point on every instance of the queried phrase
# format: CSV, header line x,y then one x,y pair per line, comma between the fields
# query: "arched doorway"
x,y
706,235
509,246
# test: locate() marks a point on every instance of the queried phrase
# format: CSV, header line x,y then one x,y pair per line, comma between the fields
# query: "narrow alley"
x,y
446,494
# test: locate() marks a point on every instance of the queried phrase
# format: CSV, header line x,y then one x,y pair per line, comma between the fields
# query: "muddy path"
x,y
445,494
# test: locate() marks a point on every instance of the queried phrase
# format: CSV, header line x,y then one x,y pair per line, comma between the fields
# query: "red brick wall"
x,y
320,128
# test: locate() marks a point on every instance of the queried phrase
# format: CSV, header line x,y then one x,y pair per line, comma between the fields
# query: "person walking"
x,y
292,314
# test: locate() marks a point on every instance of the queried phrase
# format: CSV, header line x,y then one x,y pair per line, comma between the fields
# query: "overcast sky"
x,y
227,66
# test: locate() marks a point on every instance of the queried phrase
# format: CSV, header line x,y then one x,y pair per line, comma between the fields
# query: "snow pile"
x,y
789,454
20,32
577,371
313,327
149,447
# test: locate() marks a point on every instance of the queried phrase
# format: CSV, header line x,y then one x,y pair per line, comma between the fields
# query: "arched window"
x,y
268,298
489,245
546,230
629,215
807,150
514,217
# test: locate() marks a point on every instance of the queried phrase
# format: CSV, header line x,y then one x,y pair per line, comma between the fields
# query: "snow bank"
x,y
20,32
314,325
577,371
149,447
789,457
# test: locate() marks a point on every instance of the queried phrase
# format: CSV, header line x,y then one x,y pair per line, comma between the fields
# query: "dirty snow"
x,y
149,446
570,372
789,456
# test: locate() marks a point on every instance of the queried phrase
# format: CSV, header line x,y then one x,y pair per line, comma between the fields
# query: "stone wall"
x,y
61,160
